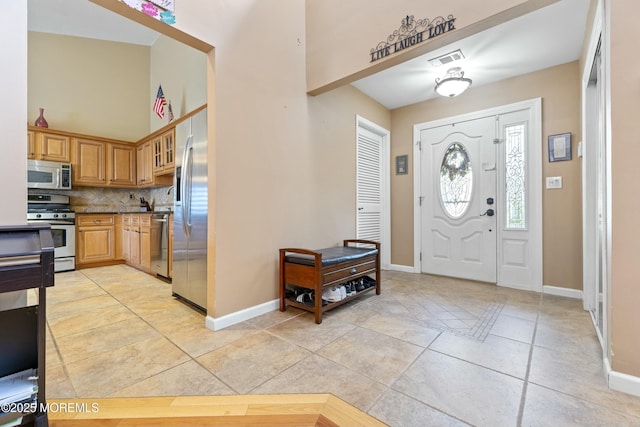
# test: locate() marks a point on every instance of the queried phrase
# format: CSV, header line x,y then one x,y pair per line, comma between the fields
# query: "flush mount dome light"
x,y
453,84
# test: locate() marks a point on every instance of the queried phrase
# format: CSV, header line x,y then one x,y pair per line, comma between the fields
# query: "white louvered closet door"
x,y
369,182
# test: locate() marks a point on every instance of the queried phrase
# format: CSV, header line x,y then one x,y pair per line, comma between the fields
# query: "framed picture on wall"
x,y
401,164
560,147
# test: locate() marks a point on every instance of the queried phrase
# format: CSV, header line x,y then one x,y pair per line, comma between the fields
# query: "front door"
x,y
459,200
480,199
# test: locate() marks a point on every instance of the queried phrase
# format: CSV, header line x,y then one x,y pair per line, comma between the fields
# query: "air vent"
x,y
447,59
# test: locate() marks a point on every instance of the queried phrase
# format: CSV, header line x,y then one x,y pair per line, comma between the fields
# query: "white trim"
x,y
624,383
217,323
385,134
562,292
417,196
535,111
588,169
402,268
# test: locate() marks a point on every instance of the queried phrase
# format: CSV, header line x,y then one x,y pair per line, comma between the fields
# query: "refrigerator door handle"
x,y
187,171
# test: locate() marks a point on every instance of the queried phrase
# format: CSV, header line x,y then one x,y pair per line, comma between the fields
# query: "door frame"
x,y
589,188
534,106
385,233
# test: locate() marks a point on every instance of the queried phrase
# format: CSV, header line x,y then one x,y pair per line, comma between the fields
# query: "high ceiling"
x,y
550,36
547,37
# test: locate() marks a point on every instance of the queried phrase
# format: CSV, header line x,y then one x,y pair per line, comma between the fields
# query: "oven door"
x,y
64,242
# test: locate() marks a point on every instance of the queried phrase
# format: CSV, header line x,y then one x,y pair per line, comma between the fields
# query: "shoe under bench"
x,y
317,269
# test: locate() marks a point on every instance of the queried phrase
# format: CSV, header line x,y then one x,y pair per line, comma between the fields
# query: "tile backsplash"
x,y
93,199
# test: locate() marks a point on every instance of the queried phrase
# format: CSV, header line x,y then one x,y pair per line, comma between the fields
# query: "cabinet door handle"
x,y
354,271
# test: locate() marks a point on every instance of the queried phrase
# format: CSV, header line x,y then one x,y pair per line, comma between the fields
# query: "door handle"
x,y
488,212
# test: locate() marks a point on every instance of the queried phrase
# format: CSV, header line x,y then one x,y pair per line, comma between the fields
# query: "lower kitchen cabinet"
x,y
136,240
145,242
95,240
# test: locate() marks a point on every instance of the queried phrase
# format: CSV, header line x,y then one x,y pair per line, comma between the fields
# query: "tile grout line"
x,y
523,397
156,331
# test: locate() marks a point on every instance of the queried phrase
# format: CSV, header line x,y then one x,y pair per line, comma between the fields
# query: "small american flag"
x,y
169,111
158,105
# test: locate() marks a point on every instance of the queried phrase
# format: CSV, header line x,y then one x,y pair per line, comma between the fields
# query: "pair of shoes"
x,y
360,285
351,288
332,294
306,298
369,282
343,291
292,292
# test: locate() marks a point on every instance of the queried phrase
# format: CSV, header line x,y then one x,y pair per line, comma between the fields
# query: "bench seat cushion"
x,y
331,256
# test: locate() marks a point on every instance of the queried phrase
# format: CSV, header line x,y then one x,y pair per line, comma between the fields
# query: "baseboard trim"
x,y
562,292
402,268
624,383
217,323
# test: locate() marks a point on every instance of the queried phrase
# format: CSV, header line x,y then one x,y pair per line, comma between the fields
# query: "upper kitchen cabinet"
x,y
89,162
48,146
103,164
121,163
164,152
144,165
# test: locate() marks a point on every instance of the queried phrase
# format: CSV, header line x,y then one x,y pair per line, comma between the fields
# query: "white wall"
x,y
13,124
13,113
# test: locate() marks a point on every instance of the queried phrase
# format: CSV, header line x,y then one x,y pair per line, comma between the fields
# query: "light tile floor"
x,y
427,351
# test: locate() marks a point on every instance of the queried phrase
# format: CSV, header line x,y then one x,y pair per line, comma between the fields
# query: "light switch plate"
x,y
554,182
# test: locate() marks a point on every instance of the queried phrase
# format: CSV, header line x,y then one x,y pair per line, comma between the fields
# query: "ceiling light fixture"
x,y
453,83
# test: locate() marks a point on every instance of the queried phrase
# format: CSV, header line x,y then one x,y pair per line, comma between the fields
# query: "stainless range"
x,y
55,209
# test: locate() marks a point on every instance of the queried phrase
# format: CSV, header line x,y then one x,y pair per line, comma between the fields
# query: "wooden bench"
x,y
318,269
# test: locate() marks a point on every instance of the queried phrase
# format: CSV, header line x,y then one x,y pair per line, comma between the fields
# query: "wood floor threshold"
x,y
321,410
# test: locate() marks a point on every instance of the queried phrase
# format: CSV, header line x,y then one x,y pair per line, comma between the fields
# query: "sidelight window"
x,y
515,173
456,180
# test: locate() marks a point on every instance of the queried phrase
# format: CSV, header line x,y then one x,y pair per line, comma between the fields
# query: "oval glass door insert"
x,y
456,180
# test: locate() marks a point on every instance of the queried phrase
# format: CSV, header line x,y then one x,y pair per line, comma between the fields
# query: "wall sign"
x,y
560,147
401,164
162,10
411,33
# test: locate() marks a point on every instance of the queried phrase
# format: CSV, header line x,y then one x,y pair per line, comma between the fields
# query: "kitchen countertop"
x,y
121,212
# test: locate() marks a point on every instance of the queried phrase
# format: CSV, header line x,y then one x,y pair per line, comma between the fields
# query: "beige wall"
x,y
182,72
283,161
625,205
559,89
89,86
340,34
106,88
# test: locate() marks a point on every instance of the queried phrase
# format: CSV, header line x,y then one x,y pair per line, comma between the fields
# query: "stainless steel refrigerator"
x,y
189,279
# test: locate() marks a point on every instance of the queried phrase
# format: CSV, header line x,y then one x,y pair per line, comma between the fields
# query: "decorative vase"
x,y
41,121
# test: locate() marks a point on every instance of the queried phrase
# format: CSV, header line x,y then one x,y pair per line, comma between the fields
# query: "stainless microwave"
x,y
51,175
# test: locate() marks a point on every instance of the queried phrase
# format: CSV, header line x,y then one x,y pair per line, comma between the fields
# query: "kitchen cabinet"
x,y
126,237
31,144
95,239
118,236
136,240
121,163
164,152
89,162
145,242
144,156
48,146
102,164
